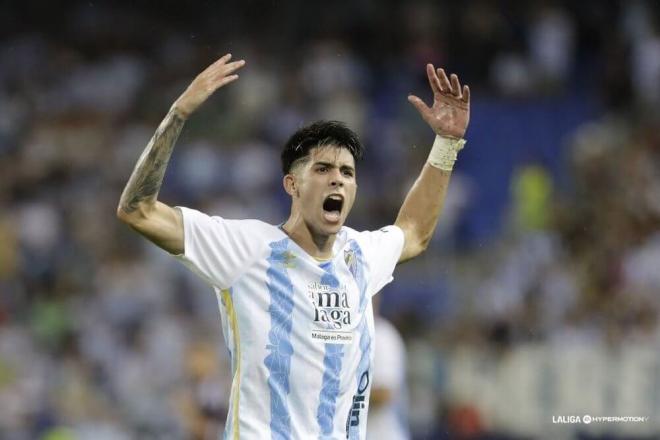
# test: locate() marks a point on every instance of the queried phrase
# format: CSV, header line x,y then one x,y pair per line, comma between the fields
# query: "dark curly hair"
x,y
317,134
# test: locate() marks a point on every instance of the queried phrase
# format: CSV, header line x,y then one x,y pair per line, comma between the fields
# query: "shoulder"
x,y
250,224
368,237
234,230
348,233
253,230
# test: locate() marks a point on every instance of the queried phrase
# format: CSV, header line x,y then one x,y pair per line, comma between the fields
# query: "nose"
x,y
336,179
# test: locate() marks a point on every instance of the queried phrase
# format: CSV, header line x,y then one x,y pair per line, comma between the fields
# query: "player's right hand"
x,y
212,78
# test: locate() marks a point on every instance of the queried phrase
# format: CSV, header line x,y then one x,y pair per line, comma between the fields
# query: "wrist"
x,y
444,152
180,110
450,136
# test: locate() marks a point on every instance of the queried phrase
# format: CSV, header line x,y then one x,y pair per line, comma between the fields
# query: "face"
x,y
323,188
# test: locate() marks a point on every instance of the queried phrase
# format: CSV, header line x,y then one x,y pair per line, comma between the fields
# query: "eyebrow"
x,y
332,165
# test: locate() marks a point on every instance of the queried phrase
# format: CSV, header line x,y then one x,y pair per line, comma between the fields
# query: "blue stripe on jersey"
x,y
362,377
356,267
332,361
325,413
329,277
278,361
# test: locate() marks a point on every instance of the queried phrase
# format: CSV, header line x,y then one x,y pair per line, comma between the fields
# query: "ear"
x,y
289,183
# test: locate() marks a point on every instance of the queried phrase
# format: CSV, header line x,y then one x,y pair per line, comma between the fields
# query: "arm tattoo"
x,y
147,177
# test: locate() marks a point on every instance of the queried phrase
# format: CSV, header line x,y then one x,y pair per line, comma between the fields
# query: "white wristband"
x,y
444,151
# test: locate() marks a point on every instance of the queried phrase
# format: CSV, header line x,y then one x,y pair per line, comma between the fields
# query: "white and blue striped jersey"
x,y
300,332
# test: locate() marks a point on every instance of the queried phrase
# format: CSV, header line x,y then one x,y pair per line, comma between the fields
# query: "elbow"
x,y
124,216
419,247
420,240
131,217
423,244
413,248
416,242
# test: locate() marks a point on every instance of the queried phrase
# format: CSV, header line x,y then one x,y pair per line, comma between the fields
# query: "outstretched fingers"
x,y
451,85
226,80
441,84
455,86
221,73
222,67
433,79
450,112
231,67
217,66
223,59
218,74
444,81
418,104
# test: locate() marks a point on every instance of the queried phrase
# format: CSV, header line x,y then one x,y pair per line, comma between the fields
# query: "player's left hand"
x,y
450,113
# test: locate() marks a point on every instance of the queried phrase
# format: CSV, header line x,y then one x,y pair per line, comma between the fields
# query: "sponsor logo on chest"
x,y
332,315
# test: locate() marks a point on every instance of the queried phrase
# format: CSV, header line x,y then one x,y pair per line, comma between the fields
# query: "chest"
x,y
326,301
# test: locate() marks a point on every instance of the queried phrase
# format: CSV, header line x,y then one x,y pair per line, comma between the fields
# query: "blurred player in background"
x,y
389,393
295,299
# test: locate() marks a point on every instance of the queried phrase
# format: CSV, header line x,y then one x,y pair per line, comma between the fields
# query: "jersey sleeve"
x,y
217,249
382,249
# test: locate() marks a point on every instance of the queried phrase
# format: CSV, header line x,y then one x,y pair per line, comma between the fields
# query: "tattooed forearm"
x,y
144,184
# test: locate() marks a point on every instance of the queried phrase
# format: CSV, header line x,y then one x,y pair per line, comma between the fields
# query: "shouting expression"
x,y
323,188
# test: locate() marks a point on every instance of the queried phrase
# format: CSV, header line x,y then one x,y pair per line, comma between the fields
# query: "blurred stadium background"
x,y
538,298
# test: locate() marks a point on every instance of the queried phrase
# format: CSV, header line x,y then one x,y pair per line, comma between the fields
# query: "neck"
x,y
315,244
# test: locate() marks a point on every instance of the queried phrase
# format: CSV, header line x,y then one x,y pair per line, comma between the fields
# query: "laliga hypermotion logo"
x,y
588,419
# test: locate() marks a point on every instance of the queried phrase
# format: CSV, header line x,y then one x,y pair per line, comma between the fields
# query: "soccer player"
x,y
295,298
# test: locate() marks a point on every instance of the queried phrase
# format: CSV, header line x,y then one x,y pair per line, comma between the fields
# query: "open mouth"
x,y
332,206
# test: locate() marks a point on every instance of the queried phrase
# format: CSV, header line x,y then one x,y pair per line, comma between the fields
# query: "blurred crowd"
x,y
103,336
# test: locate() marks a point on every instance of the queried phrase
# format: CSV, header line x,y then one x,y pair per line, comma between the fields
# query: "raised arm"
x,y
138,205
448,117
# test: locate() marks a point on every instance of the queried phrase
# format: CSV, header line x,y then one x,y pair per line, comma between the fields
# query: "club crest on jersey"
x,y
349,259
288,260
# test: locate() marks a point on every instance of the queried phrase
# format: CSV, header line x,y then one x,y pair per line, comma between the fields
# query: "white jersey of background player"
x,y
389,398
296,298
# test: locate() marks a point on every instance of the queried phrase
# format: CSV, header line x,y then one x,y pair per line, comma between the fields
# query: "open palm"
x,y
450,113
212,78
